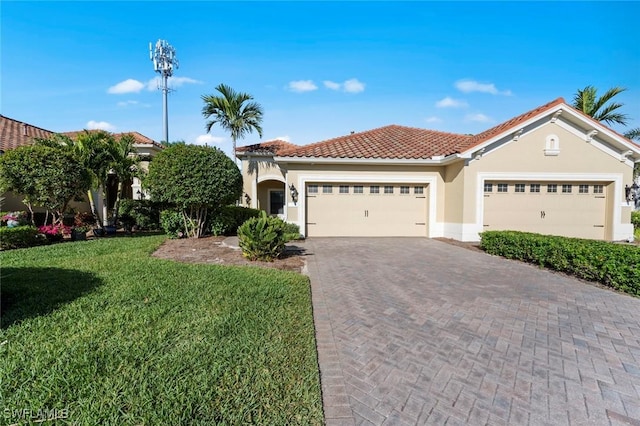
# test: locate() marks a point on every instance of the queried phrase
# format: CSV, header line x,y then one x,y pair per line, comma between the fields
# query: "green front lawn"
x,y
113,336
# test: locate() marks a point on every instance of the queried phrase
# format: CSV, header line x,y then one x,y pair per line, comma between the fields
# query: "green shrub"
x,y
262,238
635,219
227,220
172,222
291,232
614,265
145,213
20,237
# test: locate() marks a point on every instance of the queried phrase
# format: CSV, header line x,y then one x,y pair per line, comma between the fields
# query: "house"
x,y
14,133
551,170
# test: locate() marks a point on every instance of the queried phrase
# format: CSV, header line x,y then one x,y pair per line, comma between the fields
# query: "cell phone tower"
x,y
164,61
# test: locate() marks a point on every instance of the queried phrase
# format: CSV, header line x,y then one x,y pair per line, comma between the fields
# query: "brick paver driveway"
x,y
416,331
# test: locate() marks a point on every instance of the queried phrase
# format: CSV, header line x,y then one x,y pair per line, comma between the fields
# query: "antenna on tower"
x,y
163,56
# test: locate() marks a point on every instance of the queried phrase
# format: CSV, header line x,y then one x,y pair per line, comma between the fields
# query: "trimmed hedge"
x,y
20,237
145,213
614,265
228,219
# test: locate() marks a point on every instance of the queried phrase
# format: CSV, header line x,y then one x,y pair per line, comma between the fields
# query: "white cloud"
x,y
100,125
301,86
480,118
127,103
128,86
353,86
332,85
208,139
172,82
433,119
468,86
449,102
282,138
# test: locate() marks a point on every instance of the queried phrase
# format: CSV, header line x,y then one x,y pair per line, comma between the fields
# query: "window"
x,y
519,187
404,189
552,187
388,189
598,189
358,189
344,189
276,202
374,189
583,189
312,189
418,190
503,187
488,187
566,189
535,187
327,189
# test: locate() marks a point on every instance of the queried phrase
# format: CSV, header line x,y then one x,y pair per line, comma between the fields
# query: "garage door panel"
x,y
365,214
574,214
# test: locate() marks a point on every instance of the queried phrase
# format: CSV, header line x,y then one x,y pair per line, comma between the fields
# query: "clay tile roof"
x,y
511,124
389,142
139,137
271,147
14,133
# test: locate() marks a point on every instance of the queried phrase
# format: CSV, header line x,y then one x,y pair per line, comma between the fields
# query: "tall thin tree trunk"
x,y
94,210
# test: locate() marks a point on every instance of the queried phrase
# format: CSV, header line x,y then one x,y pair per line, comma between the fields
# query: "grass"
x,y
114,336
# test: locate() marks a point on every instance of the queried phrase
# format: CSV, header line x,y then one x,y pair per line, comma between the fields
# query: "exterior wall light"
x,y
294,193
247,199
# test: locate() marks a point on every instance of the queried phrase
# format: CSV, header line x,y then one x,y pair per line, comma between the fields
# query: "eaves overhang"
x,y
433,161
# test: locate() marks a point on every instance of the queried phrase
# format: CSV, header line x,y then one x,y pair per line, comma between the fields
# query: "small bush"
x,y
227,220
262,238
145,213
172,222
635,219
20,237
614,265
291,232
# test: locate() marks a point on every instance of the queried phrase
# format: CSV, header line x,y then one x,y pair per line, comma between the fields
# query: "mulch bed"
x,y
210,250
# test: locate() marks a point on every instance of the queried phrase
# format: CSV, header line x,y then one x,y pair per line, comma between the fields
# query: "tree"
x,y
125,165
94,149
234,112
587,101
195,179
46,176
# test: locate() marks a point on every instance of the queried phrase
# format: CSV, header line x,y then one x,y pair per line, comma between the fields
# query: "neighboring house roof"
x,y
275,147
14,133
139,138
396,142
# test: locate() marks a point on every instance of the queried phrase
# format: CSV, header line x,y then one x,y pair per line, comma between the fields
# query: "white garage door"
x,y
572,209
366,210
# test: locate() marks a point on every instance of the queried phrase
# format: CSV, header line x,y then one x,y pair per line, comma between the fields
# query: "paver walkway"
x,y
416,331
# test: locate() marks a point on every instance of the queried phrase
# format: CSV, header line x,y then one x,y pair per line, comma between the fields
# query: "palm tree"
x,y
93,149
234,112
125,165
587,101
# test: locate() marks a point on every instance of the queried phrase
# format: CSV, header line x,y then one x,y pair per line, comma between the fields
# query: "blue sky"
x,y
320,70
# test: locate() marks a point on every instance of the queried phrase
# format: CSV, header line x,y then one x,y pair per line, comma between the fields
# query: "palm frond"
x,y
633,134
